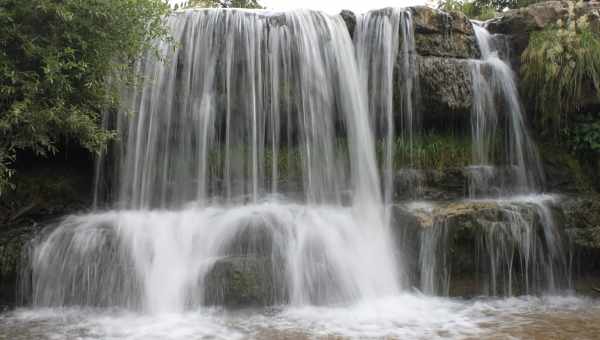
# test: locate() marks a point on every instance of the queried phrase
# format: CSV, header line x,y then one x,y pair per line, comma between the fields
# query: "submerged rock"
x,y
489,247
243,281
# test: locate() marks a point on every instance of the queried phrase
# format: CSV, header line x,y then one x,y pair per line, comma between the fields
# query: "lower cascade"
x,y
163,261
249,166
279,161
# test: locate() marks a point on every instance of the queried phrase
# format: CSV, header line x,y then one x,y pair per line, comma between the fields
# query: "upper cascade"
x,y
249,104
497,115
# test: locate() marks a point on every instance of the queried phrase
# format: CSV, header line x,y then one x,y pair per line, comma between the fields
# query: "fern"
x,y
561,69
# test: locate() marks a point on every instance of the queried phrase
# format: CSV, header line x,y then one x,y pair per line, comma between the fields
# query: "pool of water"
x,y
402,317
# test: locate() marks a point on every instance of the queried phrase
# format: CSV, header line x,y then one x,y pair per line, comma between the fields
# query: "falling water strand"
x,y
517,247
385,49
497,116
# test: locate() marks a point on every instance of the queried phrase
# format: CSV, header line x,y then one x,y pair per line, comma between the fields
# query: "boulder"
x,y
446,88
581,220
443,34
350,20
244,281
520,23
468,248
13,241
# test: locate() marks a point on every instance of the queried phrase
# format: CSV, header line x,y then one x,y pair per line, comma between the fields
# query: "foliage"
x,y
584,136
56,57
253,4
500,5
561,69
482,9
472,9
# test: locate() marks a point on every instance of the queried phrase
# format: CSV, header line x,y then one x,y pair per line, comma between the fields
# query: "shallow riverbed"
x,y
403,317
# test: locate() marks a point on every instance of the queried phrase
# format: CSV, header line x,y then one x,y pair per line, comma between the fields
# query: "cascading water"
x,y
516,243
256,126
385,48
497,120
518,246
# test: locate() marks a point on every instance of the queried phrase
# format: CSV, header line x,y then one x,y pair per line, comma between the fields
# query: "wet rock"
x,y
46,189
350,19
469,248
13,243
430,184
253,239
244,281
444,34
407,233
581,218
446,88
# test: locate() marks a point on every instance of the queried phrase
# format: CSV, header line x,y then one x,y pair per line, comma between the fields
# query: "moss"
x,y
431,151
565,171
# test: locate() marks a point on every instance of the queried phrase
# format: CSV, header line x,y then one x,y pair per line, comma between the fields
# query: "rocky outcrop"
x,y
451,182
520,23
446,85
468,248
444,42
250,273
242,281
441,34
350,19
580,217
45,189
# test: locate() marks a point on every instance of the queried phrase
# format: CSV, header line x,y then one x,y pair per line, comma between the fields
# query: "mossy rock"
x,y
245,281
13,241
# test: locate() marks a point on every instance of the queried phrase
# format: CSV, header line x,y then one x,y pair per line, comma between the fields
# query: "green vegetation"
x,y
482,9
561,73
430,151
56,60
222,4
585,134
560,65
472,9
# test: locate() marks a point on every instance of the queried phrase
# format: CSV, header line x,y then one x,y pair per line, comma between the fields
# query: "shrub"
x,y
561,69
56,57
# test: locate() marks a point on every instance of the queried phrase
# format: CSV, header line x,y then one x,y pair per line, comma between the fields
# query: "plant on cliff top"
x,y
55,59
472,9
222,3
561,69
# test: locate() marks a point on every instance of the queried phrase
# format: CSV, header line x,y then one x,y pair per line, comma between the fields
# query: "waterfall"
x,y
251,144
246,105
517,246
385,49
497,120
250,158
515,241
